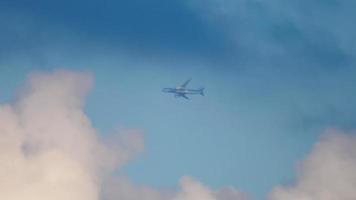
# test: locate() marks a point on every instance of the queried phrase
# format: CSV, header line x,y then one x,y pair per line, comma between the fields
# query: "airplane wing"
x,y
185,96
185,83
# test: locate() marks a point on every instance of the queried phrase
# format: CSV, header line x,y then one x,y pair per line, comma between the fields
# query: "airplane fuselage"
x,y
181,92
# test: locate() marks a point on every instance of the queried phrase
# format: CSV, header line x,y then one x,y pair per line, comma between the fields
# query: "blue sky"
x,y
276,75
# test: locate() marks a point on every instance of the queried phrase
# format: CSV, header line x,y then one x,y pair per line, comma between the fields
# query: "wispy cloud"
x,y
318,33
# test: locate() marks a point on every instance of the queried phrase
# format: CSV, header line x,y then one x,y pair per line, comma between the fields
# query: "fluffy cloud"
x,y
190,189
48,148
194,190
328,173
120,188
50,151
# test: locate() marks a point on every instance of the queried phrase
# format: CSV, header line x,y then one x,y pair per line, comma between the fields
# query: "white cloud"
x,y
328,173
231,193
190,189
50,151
120,188
194,190
48,148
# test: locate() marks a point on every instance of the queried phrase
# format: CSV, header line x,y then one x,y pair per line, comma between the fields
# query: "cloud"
x,y
190,189
194,190
231,193
328,172
49,150
123,189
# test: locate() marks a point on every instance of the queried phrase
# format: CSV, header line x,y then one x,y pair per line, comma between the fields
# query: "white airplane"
x,y
182,91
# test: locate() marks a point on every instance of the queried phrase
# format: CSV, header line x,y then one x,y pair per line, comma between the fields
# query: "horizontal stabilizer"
x,y
201,90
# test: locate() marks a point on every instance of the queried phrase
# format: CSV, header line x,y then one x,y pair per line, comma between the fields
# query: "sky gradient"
x,y
277,74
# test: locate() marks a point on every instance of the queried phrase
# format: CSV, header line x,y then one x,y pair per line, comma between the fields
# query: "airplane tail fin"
x,y
202,91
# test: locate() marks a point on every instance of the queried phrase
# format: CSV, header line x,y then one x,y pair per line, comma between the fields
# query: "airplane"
x,y
182,91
